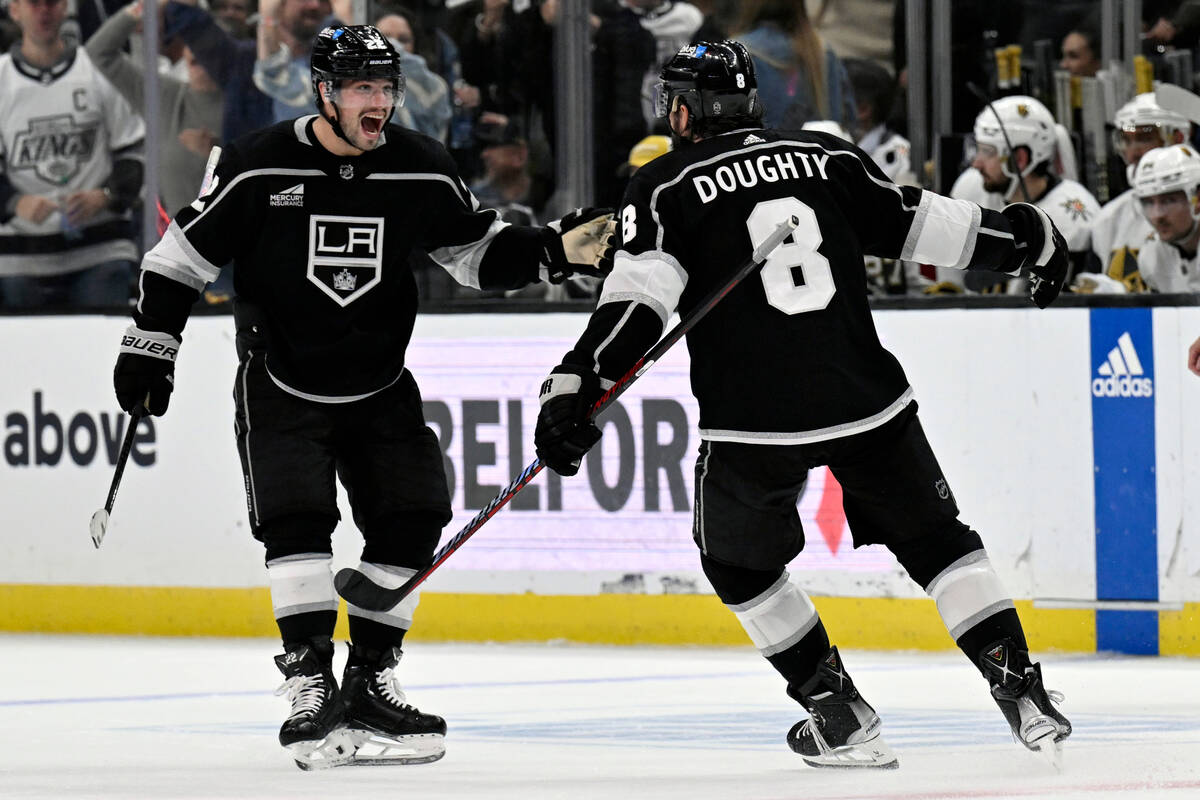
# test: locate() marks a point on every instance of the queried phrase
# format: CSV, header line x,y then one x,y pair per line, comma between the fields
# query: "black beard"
x,y
678,141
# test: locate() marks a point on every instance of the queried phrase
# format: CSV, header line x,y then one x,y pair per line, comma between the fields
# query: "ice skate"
x,y
382,726
1017,688
313,731
843,730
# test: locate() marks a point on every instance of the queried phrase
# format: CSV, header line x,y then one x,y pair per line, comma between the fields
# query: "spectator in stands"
x,y
800,78
857,28
1081,52
1121,228
233,16
230,62
70,155
506,184
633,40
427,97
875,93
285,35
1173,22
190,114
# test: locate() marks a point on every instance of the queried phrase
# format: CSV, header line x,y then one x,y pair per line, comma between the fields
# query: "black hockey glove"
x,y
1046,256
579,244
145,371
564,433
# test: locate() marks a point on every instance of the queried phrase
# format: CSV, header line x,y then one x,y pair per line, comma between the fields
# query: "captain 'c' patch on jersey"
x,y
345,255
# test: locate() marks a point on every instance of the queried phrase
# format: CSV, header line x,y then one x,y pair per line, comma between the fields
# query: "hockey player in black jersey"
x,y
319,215
790,374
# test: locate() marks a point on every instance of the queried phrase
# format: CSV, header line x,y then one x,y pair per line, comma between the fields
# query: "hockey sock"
x,y
1003,624
974,605
382,630
303,596
369,635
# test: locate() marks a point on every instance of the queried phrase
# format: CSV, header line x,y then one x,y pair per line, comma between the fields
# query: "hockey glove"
x,y
1046,256
578,244
564,433
145,371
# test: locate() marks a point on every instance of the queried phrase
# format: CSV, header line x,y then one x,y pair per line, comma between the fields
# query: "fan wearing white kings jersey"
x,y
319,216
790,375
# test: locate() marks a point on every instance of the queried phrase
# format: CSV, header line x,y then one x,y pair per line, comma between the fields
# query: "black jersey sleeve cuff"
x,y
163,304
512,258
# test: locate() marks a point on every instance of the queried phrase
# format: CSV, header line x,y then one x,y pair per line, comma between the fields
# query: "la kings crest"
x,y
54,147
345,255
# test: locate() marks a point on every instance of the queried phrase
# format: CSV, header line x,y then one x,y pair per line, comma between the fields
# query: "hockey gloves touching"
x,y
564,433
1046,257
145,372
579,244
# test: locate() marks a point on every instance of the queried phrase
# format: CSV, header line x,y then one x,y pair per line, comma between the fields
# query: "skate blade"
x,y
334,750
872,754
1050,751
377,749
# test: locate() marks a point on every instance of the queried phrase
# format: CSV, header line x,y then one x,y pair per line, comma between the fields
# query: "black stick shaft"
x,y
755,260
123,458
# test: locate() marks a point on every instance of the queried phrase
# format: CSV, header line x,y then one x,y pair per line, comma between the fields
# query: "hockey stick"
x,y
1177,99
361,591
99,524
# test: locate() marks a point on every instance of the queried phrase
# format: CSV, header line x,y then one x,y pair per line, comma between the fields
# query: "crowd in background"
x,y
480,79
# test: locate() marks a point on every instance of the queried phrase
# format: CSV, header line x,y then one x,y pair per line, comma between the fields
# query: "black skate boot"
x,y
313,731
384,728
1017,688
843,731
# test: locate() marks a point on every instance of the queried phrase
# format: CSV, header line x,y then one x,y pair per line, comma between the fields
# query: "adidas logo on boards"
x,y
1119,373
293,196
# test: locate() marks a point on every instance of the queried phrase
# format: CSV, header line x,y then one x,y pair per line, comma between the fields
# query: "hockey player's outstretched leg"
x,y
312,732
1027,705
384,728
843,729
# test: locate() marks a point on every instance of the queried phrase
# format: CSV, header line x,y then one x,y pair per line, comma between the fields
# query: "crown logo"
x,y
1023,109
344,281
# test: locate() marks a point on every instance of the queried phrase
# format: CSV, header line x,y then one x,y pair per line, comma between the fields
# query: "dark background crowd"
x,y
480,78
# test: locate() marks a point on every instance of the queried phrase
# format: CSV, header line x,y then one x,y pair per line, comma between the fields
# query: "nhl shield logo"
x,y
942,489
346,171
345,255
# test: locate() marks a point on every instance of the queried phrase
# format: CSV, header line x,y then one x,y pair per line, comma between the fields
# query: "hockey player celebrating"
x,y
790,374
319,215
1121,229
1167,188
1017,145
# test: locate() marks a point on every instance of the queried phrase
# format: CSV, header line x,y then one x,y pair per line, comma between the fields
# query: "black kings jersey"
x,y
791,355
320,246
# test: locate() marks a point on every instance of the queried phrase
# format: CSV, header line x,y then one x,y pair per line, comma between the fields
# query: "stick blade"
x,y
99,526
359,590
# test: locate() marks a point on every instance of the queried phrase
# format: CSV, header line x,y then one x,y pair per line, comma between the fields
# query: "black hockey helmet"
x,y
354,52
715,80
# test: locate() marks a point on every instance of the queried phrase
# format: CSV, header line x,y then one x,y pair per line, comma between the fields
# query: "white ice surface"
x,y
93,717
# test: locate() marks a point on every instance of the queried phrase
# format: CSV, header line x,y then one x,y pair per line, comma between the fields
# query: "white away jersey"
x,y
1074,210
1121,226
58,130
891,152
1165,269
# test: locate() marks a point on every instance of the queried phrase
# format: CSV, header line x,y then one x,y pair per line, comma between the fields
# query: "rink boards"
x,y
1069,438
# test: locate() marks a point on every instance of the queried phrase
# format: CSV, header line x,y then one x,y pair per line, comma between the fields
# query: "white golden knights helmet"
x,y
1141,113
1169,169
1028,124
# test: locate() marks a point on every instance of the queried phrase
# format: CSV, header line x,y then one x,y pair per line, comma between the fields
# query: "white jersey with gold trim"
x,y
1120,227
1165,269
